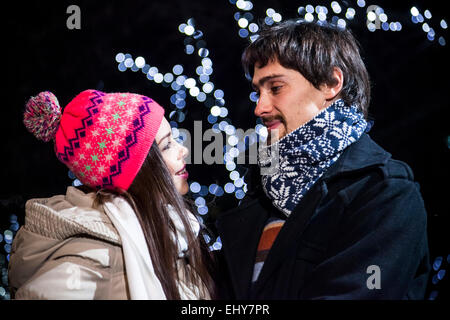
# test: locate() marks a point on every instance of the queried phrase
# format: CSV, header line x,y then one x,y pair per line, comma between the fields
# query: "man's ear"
x,y
332,90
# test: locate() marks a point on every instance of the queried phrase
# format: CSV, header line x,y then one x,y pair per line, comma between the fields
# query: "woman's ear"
x,y
332,90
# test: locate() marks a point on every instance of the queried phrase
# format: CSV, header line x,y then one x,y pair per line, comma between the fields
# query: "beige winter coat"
x,y
67,250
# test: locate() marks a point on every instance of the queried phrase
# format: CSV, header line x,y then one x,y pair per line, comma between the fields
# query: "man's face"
x,y
286,99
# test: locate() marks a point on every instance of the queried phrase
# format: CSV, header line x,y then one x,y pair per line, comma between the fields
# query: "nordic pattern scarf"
x,y
290,166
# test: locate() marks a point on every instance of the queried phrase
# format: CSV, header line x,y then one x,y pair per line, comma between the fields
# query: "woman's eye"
x,y
167,146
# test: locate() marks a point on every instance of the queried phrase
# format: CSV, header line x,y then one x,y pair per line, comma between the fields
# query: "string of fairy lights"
x,y
202,88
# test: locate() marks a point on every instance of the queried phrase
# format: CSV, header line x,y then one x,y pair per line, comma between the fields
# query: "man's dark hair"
x,y
313,49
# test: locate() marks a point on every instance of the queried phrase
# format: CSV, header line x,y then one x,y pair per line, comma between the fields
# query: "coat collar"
x,y
241,227
362,154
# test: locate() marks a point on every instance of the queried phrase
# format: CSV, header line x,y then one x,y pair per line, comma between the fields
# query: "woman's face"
x,y
174,155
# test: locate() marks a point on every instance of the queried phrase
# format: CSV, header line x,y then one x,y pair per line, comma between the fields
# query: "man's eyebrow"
x,y
265,79
166,136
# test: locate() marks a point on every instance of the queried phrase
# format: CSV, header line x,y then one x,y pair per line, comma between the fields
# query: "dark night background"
x,y
409,77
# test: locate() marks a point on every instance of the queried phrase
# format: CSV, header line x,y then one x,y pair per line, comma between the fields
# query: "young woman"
x,y
126,233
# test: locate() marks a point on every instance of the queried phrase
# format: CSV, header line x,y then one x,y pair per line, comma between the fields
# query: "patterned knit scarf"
x,y
290,166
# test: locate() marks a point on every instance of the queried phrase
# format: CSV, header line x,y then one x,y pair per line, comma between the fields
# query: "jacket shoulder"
x,y
57,218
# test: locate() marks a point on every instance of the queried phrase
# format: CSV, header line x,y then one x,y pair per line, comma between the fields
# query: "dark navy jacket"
x,y
366,210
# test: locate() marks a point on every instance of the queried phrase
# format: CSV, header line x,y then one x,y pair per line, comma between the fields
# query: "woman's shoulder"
x,y
64,216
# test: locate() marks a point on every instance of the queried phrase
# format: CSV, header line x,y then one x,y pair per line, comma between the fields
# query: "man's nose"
x,y
263,106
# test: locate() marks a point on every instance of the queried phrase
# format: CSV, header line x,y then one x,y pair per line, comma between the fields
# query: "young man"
x,y
336,217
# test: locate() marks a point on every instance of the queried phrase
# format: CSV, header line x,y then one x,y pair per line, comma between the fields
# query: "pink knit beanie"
x,y
103,138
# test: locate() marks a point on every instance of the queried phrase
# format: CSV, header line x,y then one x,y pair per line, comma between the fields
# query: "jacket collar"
x,y
362,154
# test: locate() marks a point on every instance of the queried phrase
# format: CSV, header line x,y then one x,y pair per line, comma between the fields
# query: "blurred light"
x,y
120,57
414,11
206,62
195,187
420,18
139,62
437,263
213,188
218,94
230,165
309,17
128,62
168,77
442,41
342,23
240,194
181,27
203,191
443,24
189,49
393,26
270,12
253,27
223,112
383,17
208,87
202,210
203,52
194,91
427,14
159,77
350,14
234,175
201,97
212,119
77,183
189,83
217,245
361,3
441,274
371,26
276,17
177,69
243,23
268,21
309,8
189,30
425,27
433,295
336,7
215,111
371,16
243,33
239,182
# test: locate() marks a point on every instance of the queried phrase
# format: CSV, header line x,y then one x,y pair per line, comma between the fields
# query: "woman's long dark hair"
x,y
149,195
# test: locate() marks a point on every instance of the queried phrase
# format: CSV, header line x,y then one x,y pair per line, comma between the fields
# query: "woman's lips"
x,y
183,173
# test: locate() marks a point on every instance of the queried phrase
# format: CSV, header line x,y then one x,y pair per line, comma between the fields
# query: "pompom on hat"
x,y
103,138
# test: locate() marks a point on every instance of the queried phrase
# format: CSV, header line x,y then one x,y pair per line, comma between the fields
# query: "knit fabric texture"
x,y
300,158
104,138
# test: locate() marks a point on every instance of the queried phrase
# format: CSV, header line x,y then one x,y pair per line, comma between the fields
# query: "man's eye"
x,y
275,89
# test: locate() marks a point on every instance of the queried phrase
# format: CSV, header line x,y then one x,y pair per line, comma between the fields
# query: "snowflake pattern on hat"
x,y
104,138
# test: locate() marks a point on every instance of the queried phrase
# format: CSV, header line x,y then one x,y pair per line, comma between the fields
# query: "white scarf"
x,y
142,280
